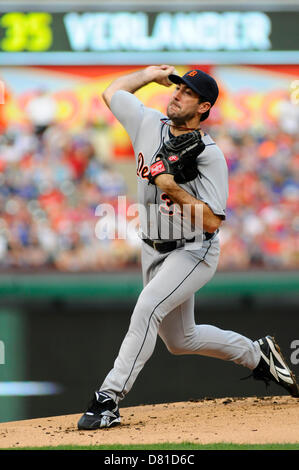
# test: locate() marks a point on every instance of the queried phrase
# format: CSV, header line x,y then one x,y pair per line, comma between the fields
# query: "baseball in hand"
x,y
174,72
161,74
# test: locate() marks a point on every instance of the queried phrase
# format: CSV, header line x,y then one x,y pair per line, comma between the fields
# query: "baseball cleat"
x,y
273,367
102,412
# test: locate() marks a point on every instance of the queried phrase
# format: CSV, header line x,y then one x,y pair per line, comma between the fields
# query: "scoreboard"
x,y
126,36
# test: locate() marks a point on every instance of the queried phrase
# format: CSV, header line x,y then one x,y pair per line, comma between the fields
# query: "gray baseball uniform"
x,y
166,303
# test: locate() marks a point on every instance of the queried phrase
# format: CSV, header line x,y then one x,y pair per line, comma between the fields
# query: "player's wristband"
x,y
157,168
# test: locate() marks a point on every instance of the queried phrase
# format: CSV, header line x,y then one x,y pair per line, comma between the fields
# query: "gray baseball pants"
x,y
166,307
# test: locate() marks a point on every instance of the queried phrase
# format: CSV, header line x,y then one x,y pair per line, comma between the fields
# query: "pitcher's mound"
x,y
254,420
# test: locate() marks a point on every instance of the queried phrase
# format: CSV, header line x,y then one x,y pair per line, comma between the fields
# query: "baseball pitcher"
x,y
183,188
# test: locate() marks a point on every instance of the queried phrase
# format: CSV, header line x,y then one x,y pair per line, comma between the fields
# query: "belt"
x,y
165,247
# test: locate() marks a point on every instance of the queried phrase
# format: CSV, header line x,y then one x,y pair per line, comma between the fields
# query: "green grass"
x,y
171,446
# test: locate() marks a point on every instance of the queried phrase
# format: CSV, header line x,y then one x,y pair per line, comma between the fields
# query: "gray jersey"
x,y
148,130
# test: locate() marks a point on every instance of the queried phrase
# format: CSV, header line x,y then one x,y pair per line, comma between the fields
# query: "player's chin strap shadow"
x,y
168,122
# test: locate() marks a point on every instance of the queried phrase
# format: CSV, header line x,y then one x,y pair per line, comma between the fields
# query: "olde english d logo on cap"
x,y
192,73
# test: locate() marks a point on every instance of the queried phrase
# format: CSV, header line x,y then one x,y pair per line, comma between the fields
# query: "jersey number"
x,y
166,207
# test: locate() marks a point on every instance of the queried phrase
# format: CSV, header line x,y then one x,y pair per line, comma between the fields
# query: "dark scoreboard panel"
x,y
138,36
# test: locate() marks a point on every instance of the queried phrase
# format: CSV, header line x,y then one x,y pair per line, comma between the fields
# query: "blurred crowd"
x,y
52,180
262,224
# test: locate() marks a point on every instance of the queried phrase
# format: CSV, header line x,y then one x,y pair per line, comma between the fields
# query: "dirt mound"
x,y
253,420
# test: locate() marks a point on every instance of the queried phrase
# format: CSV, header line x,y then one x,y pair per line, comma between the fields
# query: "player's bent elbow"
x,y
106,97
210,228
213,224
108,93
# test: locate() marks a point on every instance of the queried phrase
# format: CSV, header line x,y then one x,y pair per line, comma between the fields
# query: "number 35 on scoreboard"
x,y
26,31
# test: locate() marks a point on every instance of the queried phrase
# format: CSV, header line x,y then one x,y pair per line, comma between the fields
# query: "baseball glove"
x,y
178,158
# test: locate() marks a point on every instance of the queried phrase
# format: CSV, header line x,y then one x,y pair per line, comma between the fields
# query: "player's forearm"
x,y
136,80
199,212
131,83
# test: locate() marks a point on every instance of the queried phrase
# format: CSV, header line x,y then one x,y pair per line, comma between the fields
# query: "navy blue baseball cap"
x,y
200,82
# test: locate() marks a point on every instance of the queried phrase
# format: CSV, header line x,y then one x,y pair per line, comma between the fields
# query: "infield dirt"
x,y
254,420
